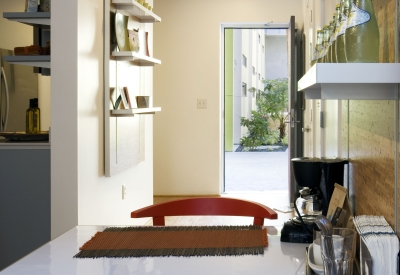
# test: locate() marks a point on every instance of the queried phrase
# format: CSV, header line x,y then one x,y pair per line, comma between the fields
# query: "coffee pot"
x,y
309,202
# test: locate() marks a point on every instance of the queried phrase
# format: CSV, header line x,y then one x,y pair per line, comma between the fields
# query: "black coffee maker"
x,y
317,176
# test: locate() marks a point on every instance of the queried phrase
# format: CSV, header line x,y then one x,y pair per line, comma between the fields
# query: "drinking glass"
x,y
338,251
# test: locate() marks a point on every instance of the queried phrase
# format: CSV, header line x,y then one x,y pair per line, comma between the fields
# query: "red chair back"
x,y
206,207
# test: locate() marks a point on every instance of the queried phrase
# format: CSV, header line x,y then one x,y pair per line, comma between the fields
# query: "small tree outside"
x,y
271,103
274,101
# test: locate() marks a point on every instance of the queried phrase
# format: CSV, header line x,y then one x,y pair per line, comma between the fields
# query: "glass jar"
x,y
325,43
319,47
344,13
362,33
334,34
328,57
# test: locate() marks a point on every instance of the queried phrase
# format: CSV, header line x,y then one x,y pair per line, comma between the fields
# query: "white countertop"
x,y
56,258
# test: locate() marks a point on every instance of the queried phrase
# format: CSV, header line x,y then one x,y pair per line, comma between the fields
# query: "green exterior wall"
x,y
228,90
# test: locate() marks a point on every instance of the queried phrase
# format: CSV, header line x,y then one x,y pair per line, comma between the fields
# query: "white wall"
x,y
80,192
187,152
100,200
9,29
276,56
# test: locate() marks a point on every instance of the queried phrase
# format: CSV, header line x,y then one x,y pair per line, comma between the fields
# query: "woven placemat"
x,y
147,241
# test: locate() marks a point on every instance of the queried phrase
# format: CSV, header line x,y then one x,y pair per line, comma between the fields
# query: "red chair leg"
x,y
258,221
160,221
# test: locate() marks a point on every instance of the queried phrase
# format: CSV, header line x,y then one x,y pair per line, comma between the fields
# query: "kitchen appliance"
x,y
317,176
18,84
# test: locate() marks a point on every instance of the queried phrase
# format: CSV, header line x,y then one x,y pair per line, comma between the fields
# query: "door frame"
x,y
223,26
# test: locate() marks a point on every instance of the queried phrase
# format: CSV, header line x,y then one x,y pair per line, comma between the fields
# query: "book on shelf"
x,y
123,97
117,102
128,99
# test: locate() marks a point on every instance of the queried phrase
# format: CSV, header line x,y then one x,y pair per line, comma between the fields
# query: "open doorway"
x,y
294,118
256,104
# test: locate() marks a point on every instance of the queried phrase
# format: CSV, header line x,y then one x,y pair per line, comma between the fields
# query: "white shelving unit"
x,y
30,18
132,112
36,19
29,60
124,129
358,81
134,8
135,57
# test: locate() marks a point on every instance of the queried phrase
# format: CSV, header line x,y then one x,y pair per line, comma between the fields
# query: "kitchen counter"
x,y
56,257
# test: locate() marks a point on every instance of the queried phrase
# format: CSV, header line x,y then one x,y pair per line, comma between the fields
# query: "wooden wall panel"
x,y
372,159
368,133
385,16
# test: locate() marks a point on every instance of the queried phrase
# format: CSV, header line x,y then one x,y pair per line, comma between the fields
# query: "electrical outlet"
x,y
201,103
123,191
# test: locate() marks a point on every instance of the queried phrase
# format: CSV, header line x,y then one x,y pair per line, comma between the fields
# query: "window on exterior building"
x,y
244,89
254,71
244,61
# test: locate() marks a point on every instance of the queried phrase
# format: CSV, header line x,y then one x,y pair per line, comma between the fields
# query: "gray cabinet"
x,y
24,202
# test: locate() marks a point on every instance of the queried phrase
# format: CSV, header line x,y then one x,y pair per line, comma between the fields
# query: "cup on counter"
x,y
317,252
338,251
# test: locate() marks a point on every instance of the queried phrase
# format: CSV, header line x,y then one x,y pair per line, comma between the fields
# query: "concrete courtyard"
x,y
256,171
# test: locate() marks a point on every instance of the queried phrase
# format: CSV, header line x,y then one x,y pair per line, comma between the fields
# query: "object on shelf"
x,y
134,40
31,5
140,2
22,136
33,117
32,50
143,43
150,8
45,5
143,101
362,34
121,31
117,102
125,103
128,98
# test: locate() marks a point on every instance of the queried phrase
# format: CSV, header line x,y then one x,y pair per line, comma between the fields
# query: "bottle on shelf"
x,y
314,57
328,58
362,33
325,44
33,117
334,34
344,13
319,47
